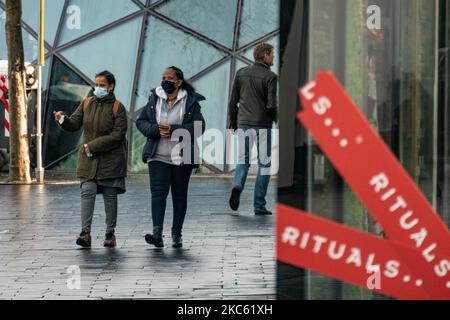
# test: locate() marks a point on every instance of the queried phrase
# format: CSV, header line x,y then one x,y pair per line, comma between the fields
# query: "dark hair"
x,y
109,78
261,50
180,76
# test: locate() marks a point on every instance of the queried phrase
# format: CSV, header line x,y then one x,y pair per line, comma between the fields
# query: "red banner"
x,y
3,90
389,267
383,186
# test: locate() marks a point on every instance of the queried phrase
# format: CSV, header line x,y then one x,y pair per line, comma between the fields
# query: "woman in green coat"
x,y
102,159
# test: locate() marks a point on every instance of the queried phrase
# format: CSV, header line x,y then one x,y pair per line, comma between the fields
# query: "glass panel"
x,y
138,143
84,16
232,148
275,42
390,72
418,105
68,164
330,41
118,59
65,93
30,14
215,87
258,20
30,44
212,18
444,97
45,72
166,46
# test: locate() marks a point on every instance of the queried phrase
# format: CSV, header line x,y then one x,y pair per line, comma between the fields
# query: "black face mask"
x,y
168,86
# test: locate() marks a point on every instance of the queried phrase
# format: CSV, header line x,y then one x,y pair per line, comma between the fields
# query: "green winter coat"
x,y
105,135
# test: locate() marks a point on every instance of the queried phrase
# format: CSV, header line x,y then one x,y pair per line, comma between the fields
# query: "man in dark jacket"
x,y
252,110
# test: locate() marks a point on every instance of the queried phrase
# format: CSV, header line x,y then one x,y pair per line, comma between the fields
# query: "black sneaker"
x,y
177,241
84,240
155,238
235,197
262,212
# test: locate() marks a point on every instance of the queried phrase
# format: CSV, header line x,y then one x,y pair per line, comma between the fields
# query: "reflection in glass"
x,y
443,183
232,146
84,16
214,19
391,75
166,46
258,20
215,87
138,143
65,93
30,14
104,53
30,44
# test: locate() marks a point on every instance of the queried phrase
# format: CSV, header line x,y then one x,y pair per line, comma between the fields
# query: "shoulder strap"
x,y
116,108
86,103
116,105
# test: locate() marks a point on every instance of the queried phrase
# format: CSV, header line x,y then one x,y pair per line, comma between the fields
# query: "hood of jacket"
x,y
156,92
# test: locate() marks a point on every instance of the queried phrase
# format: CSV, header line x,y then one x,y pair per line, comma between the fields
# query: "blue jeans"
x,y
263,138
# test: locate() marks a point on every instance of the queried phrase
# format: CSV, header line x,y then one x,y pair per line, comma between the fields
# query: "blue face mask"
x,y
100,92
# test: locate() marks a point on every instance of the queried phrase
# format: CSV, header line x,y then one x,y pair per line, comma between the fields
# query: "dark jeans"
x,y
163,177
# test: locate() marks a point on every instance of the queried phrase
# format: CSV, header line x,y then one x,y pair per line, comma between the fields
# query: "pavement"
x,y
226,255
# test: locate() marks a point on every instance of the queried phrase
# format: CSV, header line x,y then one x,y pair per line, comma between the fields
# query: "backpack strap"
x,y
116,105
116,108
87,102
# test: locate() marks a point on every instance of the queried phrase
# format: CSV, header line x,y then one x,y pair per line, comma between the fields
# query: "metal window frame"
x,y
146,11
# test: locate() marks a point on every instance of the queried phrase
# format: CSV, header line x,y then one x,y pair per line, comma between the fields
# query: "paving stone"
x,y
226,255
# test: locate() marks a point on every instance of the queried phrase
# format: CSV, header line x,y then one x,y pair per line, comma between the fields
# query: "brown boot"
x,y
84,240
110,241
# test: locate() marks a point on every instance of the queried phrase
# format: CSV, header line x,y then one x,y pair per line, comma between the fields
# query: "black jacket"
x,y
255,90
148,125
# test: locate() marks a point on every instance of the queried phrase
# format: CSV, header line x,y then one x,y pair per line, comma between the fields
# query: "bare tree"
x,y
19,170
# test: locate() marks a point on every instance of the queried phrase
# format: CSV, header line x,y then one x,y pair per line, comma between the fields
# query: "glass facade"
x,y
208,39
397,73
30,43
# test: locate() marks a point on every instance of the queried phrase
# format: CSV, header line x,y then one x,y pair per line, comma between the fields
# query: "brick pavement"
x,y
225,255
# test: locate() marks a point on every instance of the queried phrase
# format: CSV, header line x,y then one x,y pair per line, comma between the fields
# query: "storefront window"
x,y
391,57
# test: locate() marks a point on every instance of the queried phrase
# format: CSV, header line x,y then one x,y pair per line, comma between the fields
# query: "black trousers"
x,y
165,177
